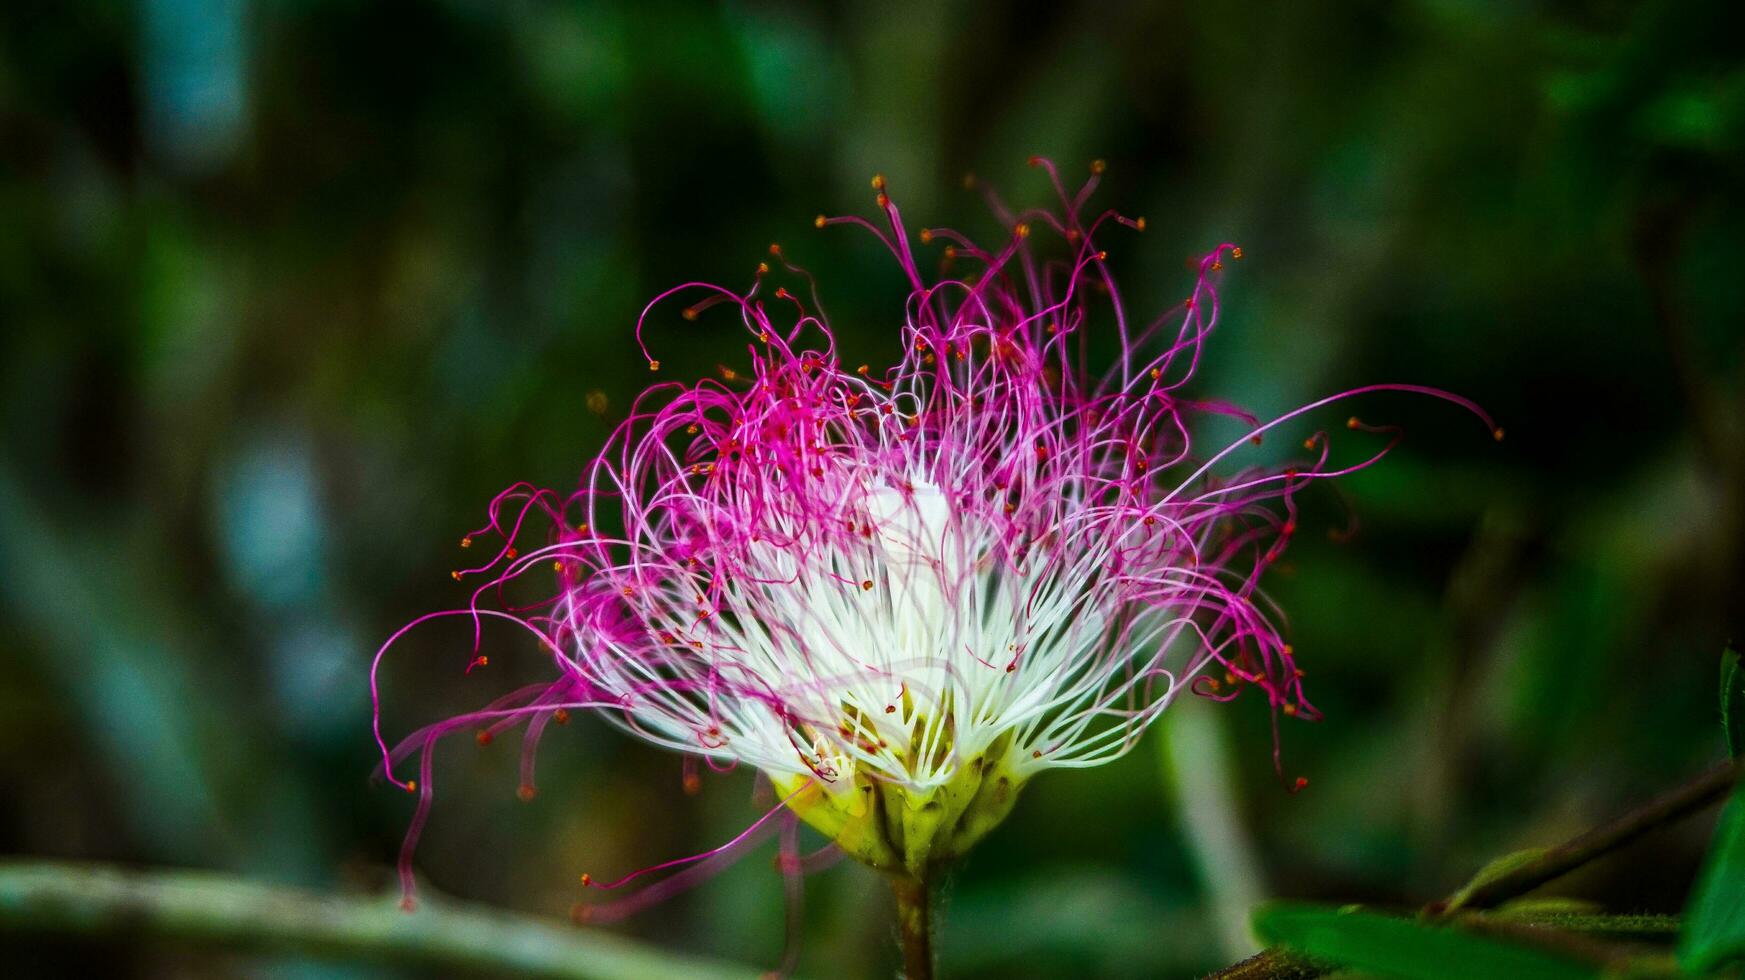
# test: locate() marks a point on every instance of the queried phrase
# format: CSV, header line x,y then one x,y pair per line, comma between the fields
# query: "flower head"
x,y
901,592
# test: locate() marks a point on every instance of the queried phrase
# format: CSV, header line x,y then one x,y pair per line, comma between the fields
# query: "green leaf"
x,y
1733,701
1492,871
1405,948
1714,921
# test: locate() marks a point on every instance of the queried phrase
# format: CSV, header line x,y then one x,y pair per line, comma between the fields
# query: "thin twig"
x,y
203,907
1271,964
1554,862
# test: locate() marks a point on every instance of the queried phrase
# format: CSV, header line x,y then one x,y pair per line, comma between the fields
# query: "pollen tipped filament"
x,y
899,592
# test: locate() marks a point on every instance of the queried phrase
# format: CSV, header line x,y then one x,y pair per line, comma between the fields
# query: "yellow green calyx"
x,y
900,829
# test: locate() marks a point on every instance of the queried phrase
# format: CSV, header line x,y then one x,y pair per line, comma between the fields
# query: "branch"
x,y
204,907
1555,862
1270,964
1552,863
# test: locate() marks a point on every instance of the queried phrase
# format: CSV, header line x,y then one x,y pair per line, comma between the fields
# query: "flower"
x,y
900,593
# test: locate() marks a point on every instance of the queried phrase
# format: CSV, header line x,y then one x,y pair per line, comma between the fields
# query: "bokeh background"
x,y
289,289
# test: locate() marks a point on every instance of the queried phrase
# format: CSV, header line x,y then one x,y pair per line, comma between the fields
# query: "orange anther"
x,y
1497,434
654,365
818,222
866,585
1022,230
484,737
561,716
775,248
1098,166
466,542
1139,223
1352,422
455,575
1236,253
926,236
690,313
411,785
525,793
878,182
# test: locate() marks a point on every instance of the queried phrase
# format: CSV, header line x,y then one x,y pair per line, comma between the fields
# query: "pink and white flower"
x,y
900,592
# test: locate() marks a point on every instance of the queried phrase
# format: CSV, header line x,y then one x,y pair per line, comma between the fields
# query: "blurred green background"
x,y
290,289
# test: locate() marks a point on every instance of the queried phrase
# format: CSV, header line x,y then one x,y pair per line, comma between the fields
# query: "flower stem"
x,y
914,925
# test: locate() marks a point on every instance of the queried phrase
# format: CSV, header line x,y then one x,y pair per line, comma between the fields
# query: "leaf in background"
x,y
1714,921
1733,701
1404,948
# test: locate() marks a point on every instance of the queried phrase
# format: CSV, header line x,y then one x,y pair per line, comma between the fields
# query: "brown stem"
x,y
1555,862
914,926
1708,788
1271,964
